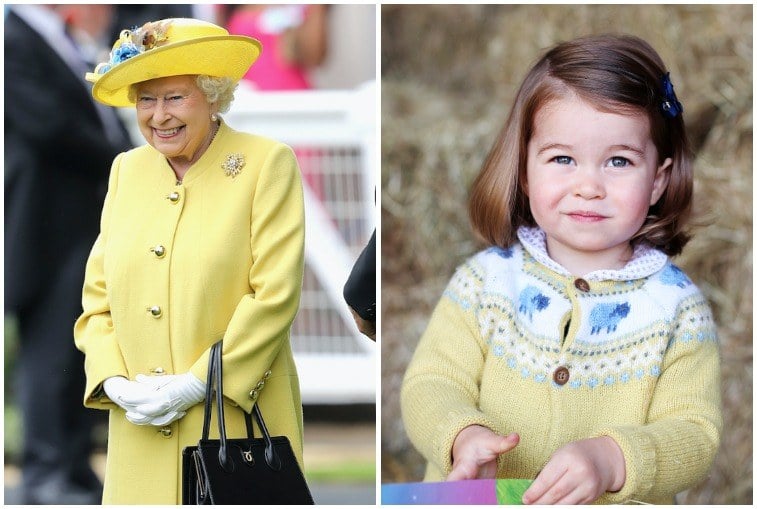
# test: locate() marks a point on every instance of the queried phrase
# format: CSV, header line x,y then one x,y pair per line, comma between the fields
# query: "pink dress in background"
x,y
271,71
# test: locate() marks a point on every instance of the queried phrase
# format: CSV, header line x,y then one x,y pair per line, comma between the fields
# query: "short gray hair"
x,y
220,90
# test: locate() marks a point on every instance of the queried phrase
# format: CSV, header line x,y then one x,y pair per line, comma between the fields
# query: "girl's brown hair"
x,y
612,72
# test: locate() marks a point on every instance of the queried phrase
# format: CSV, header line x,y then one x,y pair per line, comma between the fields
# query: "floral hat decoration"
x,y
170,47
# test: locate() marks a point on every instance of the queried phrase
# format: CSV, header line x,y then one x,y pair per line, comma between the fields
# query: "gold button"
x,y
159,251
174,197
157,371
155,311
267,375
260,385
254,394
561,375
166,432
582,285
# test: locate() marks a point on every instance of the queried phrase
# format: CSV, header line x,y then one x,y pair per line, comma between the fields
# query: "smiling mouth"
x,y
586,217
167,133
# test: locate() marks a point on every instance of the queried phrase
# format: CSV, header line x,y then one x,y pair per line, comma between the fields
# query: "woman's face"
x,y
174,117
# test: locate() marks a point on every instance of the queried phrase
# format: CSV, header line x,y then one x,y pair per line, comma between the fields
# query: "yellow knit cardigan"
x,y
647,376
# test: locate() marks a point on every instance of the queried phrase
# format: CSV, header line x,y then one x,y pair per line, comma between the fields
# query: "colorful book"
x,y
473,492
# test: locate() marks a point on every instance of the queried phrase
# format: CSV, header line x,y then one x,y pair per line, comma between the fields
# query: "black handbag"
x,y
239,470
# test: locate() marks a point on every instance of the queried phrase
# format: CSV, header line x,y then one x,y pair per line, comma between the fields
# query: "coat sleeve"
x,y
440,389
94,334
677,446
261,321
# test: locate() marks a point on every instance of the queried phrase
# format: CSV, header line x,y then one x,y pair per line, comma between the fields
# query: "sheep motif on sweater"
x,y
607,315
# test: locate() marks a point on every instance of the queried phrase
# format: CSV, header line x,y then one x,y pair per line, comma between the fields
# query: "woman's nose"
x,y
160,113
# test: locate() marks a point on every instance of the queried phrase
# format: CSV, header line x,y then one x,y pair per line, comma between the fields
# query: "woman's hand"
x,y
118,387
579,473
366,327
475,452
161,400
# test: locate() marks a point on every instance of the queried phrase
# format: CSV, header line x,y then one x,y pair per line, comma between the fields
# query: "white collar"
x,y
645,261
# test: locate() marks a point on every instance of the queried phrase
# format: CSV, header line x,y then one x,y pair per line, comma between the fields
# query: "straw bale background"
x,y
449,74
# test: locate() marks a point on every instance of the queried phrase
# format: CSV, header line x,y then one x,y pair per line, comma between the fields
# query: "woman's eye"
x,y
619,162
175,98
562,159
145,102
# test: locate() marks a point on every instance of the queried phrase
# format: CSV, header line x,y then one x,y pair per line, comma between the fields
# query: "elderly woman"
x,y
201,238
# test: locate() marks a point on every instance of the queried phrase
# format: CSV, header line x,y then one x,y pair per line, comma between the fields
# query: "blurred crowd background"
x,y
448,76
314,89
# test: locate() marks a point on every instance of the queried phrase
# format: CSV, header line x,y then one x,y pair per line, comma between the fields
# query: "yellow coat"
x,y
229,266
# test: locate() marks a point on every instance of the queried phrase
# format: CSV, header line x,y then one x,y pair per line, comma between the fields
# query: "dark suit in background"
x,y
360,289
58,152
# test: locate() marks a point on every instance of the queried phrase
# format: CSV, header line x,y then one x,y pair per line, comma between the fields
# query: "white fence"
x,y
333,135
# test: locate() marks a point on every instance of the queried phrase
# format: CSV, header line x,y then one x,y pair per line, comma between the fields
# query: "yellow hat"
x,y
170,47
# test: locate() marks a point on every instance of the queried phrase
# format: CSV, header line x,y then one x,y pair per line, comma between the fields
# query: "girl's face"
x,y
591,178
174,117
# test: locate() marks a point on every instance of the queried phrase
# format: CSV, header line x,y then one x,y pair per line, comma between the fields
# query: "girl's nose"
x,y
588,184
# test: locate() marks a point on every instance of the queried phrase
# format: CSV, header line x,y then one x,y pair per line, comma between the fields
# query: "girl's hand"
x,y
475,451
579,473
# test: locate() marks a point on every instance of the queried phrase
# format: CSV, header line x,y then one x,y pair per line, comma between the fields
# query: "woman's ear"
x,y
661,179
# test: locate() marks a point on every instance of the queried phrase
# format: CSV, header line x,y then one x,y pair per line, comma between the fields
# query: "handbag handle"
x,y
215,380
209,392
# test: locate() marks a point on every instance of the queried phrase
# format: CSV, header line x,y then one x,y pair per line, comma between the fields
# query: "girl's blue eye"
x,y
562,159
619,162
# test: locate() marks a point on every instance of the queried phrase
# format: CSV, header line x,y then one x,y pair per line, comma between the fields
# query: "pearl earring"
x,y
213,117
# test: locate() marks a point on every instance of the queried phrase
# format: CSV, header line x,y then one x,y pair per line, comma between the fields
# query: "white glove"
x,y
118,387
161,420
163,399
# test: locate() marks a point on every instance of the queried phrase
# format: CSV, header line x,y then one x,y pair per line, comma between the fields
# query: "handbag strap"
x,y
215,381
209,385
223,457
271,457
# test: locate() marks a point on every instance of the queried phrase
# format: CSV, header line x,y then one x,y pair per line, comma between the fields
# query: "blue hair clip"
x,y
671,107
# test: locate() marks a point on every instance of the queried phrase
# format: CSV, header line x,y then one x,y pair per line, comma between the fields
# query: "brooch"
x,y
233,165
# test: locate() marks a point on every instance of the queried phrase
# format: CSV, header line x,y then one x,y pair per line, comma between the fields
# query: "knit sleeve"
x,y
440,390
676,447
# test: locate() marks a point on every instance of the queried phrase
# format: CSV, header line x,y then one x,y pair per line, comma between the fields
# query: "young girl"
x,y
572,351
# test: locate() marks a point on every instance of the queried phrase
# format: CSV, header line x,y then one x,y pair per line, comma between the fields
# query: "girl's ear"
x,y
661,179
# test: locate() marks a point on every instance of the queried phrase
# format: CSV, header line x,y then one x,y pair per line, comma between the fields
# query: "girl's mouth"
x,y
586,216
